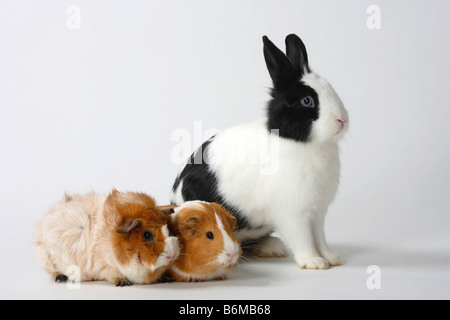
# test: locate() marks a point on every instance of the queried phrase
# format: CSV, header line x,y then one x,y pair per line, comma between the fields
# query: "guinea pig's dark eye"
x,y
147,235
307,102
210,235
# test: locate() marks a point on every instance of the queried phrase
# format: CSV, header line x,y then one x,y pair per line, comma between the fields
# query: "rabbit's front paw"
x,y
313,263
332,259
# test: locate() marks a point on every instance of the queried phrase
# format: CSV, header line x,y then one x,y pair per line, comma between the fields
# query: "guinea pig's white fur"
x,y
202,258
81,231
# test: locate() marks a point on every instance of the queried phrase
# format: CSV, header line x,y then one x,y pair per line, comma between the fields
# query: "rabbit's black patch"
x,y
285,111
200,183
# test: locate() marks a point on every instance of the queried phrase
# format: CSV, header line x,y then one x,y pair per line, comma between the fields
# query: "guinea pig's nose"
x,y
170,257
231,256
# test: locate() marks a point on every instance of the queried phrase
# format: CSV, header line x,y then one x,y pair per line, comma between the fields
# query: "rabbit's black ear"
x,y
296,51
280,68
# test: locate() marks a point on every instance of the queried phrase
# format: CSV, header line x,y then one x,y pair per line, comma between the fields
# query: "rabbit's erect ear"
x,y
279,66
296,52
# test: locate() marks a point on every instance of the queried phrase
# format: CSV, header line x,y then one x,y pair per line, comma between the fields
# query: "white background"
x,y
96,108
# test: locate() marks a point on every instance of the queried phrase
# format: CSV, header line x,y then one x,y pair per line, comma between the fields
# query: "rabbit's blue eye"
x,y
308,102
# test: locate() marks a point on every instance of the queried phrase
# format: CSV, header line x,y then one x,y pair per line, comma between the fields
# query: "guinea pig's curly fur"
x,y
208,245
123,238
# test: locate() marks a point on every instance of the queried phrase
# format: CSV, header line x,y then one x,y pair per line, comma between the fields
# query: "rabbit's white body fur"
x,y
295,196
282,179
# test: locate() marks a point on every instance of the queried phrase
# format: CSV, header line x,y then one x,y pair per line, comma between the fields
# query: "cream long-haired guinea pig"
x,y
123,238
208,246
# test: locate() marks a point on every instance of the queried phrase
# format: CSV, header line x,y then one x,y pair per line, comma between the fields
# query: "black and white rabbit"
x,y
279,174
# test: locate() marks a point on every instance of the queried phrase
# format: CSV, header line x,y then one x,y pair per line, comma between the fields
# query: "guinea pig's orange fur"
x,y
103,237
203,258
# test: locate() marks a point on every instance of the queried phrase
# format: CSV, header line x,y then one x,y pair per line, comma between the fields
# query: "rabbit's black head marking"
x,y
294,105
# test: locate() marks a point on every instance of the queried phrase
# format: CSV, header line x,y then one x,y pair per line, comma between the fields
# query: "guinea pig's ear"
x,y
129,225
190,225
225,214
231,220
167,210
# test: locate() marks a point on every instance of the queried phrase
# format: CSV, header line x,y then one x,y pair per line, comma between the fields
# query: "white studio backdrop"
x,y
92,92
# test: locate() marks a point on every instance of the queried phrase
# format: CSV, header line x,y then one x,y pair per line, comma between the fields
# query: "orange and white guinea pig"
x,y
207,243
123,238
